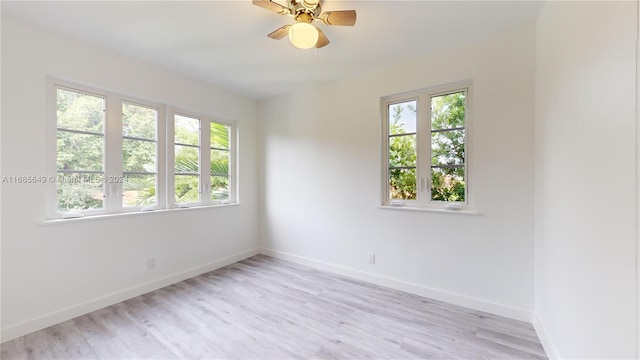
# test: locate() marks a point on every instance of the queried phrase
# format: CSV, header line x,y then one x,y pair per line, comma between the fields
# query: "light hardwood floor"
x,y
265,308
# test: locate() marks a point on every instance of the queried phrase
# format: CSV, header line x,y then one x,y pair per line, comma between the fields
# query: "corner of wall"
x,y
545,338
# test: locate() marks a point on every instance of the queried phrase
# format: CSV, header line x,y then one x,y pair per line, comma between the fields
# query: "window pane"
x,y
447,111
187,188
447,147
219,162
402,118
78,111
219,188
402,184
186,158
139,122
139,190
219,136
79,192
138,156
79,151
402,151
447,184
187,130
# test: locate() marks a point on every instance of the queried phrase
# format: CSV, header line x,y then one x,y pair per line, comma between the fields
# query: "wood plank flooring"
x,y
265,308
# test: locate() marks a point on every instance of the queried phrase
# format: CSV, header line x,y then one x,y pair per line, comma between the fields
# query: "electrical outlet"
x,y
151,263
372,258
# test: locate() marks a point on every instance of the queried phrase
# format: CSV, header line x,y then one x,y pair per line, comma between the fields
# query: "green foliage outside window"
x,y
78,151
448,147
402,156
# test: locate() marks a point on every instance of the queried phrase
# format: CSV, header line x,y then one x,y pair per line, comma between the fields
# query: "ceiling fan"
x,y
303,34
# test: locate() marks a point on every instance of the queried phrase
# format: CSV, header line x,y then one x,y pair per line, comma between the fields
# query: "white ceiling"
x,y
225,42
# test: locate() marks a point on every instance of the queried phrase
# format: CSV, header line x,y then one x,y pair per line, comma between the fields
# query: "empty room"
x,y
300,179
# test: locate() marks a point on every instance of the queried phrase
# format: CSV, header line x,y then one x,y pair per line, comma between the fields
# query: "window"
x,y
425,157
187,160
219,161
139,155
110,154
200,140
80,144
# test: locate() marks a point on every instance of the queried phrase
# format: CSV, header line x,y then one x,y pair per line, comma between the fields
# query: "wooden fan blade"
x,y
322,40
272,6
344,17
280,33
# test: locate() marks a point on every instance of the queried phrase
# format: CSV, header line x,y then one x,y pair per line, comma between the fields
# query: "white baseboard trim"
x,y
436,294
14,331
545,338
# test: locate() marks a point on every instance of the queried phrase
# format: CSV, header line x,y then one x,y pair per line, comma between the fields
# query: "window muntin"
x,y
80,150
139,155
187,159
426,164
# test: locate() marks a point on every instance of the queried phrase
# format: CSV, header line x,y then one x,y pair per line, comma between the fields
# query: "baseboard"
x,y
436,294
41,322
545,338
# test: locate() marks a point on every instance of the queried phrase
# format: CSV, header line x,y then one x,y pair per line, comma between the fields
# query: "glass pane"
x,y
139,122
447,111
79,191
187,189
402,151
447,184
447,148
402,118
139,190
219,162
187,130
186,158
138,156
219,136
78,111
219,188
402,184
79,151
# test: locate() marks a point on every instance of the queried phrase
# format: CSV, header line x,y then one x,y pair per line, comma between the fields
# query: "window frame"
x,y
52,128
423,98
160,154
113,166
204,147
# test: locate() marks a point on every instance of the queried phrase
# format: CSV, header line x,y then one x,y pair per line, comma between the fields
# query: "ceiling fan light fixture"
x,y
303,35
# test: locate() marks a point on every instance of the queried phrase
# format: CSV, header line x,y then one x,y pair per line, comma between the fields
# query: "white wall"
x,y
321,165
585,203
51,272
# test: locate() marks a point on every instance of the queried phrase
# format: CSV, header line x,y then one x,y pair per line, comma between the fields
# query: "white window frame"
x,y
203,159
161,198
423,151
112,161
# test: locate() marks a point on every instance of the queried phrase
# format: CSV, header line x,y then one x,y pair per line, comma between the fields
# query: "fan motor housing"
x,y
305,6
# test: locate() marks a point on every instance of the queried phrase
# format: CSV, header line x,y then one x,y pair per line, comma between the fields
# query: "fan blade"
x,y
344,18
272,6
322,40
280,33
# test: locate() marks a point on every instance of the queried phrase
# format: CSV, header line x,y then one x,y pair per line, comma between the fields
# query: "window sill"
x,y
133,213
442,211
